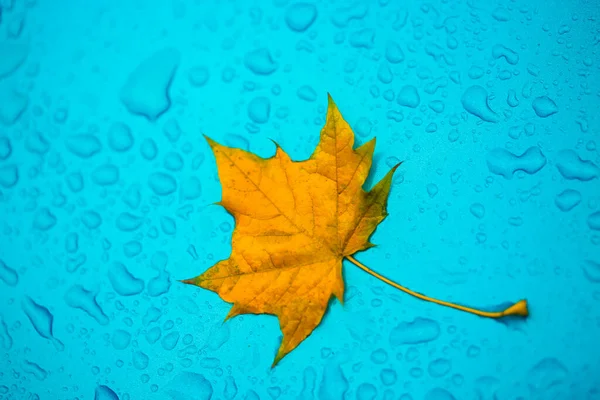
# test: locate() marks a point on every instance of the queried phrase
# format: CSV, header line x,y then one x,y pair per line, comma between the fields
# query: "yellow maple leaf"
x,y
295,221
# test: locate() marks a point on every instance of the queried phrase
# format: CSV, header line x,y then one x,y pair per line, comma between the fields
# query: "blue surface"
x,y
106,192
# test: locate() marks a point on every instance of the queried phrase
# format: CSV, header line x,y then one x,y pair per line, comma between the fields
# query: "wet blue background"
x,y
106,186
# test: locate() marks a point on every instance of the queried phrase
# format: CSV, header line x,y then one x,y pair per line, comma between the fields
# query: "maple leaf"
x,y
295,222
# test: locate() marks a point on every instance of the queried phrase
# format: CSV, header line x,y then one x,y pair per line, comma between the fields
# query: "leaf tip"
x,y
277,146
368,147
233,312
211,142
276,360
395,167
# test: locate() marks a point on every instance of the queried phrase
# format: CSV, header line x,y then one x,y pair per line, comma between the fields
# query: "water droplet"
x,y
475,101
439,367
300,16
478,210
91,219
169,341
105,393
366,391
79,297
306,93
259,109
44,219
146,91
393,52
334,384
571,166
120,138
83,145
148,149
173,161
230,390
388,376
42,320
123,282
439,394
8,275
140,360
408,96
128,222
162,184
544,106
593,221
420,330
503,162
153,334
260,62
121,339
546,375
198,76
379,356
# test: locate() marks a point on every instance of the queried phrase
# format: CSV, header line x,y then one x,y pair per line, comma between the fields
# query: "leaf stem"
x,y
519,308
